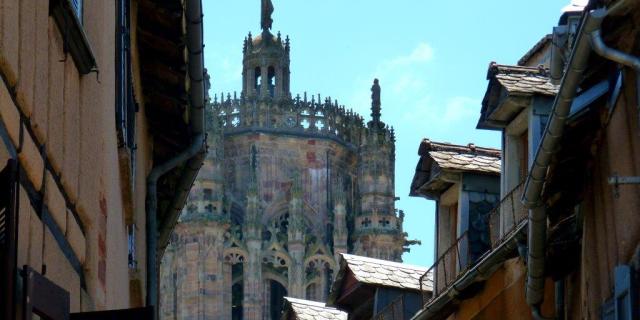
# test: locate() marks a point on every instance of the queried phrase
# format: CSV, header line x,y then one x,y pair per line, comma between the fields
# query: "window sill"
x,y
73,34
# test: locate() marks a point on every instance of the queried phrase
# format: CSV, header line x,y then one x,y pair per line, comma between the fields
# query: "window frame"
x,y
69,20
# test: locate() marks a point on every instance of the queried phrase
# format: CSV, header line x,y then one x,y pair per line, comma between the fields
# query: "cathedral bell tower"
x,y
265,72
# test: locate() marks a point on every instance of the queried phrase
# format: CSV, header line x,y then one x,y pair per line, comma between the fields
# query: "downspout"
x,y
197,94
193,155
589,38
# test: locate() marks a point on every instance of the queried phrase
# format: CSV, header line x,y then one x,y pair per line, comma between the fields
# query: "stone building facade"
x,y
289,183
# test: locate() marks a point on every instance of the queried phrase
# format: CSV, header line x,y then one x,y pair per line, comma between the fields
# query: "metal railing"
x,y
502,221
507,215
393,311
446,269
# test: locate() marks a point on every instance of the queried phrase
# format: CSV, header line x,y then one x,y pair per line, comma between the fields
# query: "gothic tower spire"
x,y
375,122
266,62
267,10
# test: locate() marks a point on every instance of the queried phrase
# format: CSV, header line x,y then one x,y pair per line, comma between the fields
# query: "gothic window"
x,y
209,208
305,123
237,293
312,292
384,223
208,194
277,294
258,79
271,77
366,223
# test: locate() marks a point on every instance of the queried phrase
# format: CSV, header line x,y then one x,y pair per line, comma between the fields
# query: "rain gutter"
x,y
589,38
192,155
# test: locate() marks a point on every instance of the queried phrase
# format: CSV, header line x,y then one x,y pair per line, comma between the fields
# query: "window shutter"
x,y
43,298
623,293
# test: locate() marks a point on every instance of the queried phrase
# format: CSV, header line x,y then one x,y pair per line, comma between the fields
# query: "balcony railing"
x,y
507,215
502,221
446,269
393,311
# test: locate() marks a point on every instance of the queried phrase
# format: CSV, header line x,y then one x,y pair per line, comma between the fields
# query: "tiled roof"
x,y
311,310
519,80
462,158
385,273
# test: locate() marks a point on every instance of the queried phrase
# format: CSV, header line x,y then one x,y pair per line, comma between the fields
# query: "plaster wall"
x,y
62,125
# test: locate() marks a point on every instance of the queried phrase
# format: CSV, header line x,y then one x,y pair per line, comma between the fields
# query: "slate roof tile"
x,y
385,273
462,158
311,310
519,80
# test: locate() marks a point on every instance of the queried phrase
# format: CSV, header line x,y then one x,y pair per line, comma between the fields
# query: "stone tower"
x,y
289,183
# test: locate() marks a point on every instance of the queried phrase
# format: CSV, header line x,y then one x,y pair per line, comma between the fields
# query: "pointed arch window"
x,y
271,80
257,79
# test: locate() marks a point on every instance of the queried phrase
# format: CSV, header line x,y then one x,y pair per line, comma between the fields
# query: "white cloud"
x,y
421,54
461,109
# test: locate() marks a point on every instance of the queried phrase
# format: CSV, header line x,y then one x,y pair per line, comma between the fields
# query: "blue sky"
x,y
431,58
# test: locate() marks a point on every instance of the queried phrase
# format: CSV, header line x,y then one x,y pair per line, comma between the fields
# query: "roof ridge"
x,y
428,145
308,302
495,68
386,262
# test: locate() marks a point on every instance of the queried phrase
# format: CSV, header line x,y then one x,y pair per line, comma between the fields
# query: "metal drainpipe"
x,y
553,133
537,174
193,154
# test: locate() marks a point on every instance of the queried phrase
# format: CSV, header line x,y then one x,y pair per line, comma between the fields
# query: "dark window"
x,y
271,75
126,107
258,79
208,194
8,237
278,292
237,292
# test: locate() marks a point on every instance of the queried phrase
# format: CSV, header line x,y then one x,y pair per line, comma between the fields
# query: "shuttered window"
x,y
42,298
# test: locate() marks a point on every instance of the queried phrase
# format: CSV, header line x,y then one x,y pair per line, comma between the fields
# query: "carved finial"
x,y
375,101
267,10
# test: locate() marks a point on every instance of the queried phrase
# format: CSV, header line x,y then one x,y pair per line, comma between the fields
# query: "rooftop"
x,y
520,80
462,158
384,273
311,310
